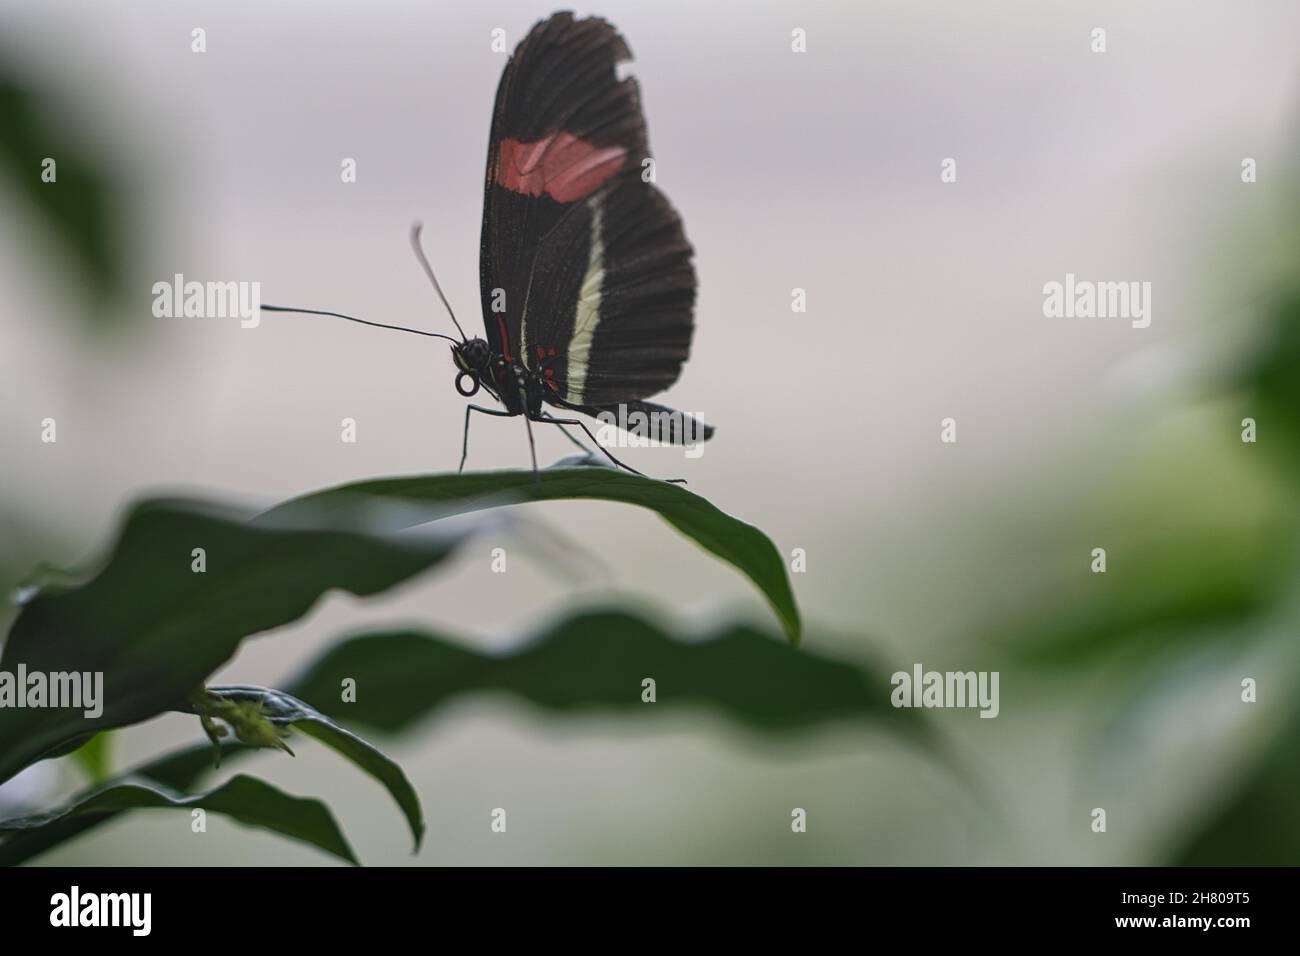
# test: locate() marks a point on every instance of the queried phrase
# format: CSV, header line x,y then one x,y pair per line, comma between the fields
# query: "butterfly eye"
x,y
472,388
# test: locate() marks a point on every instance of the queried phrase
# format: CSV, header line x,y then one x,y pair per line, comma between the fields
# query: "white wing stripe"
x,y
587,315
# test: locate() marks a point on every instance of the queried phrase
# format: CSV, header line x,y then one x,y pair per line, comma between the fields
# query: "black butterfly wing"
x,y
585,271
608,313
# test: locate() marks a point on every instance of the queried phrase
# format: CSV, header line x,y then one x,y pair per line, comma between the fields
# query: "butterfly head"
x,y
472,358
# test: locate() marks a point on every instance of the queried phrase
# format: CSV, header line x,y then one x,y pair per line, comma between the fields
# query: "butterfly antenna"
x,y
428,270
353,318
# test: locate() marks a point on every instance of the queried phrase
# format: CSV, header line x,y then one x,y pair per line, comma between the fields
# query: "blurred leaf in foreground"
x,y
245,799
598,660
591,660
156,626
79,206
1259,824
1272,381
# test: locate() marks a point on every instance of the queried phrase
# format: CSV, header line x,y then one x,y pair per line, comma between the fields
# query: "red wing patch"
x,y
560,165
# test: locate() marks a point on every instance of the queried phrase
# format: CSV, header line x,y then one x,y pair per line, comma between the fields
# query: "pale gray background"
x,y
818,171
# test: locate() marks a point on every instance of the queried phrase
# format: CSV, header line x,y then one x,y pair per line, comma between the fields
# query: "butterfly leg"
x,y
583,425
565,431
532,448
464,444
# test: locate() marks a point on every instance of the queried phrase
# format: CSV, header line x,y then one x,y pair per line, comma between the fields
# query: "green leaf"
x,y
246,799
156,629
175,771
426,497
284,710
589,660
92,757
597,660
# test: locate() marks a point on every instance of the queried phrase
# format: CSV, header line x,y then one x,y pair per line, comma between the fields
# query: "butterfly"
x,y
587,284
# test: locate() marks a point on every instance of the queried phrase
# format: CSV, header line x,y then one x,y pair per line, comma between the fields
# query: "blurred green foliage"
x,y
1259,824
83,209
1271,381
